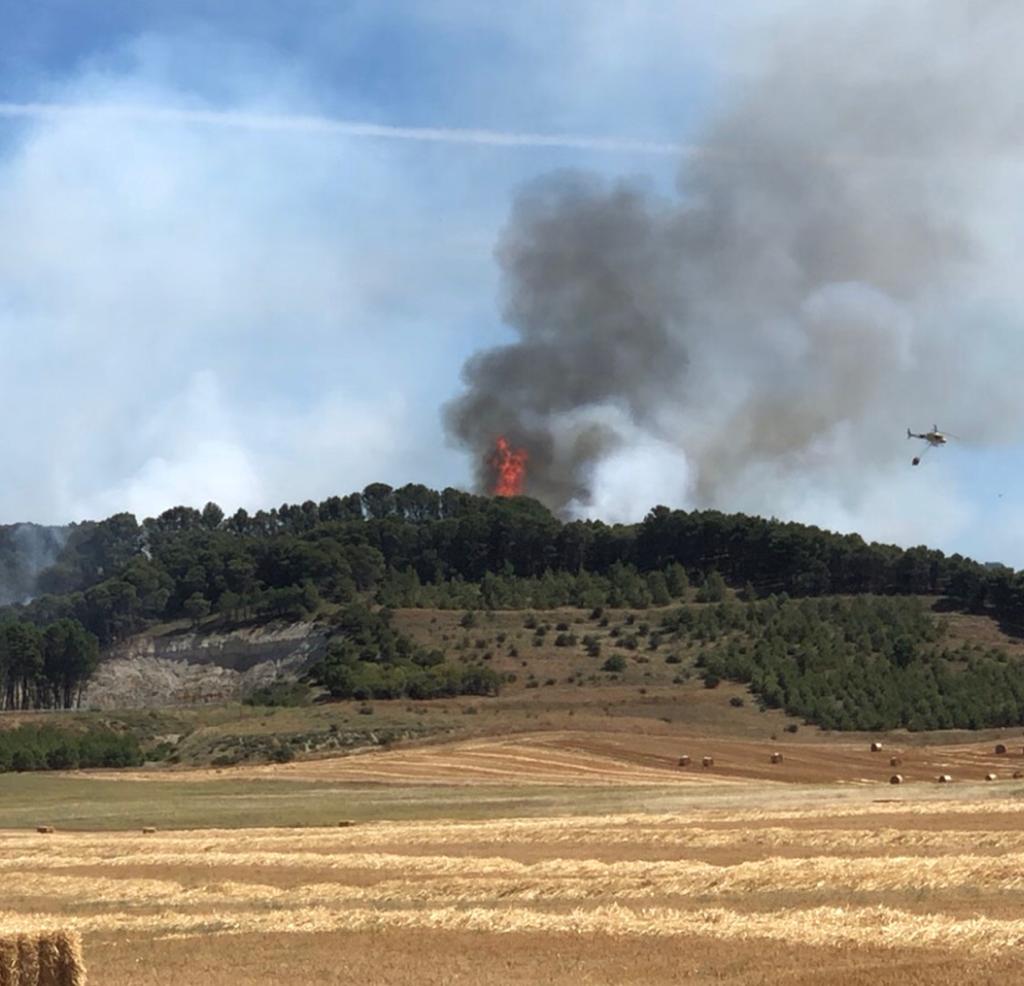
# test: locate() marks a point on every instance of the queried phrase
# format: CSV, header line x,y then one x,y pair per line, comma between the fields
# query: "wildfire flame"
x,y
509,466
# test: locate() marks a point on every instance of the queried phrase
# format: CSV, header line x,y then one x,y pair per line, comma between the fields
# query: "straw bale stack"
x,y
708,762
51,958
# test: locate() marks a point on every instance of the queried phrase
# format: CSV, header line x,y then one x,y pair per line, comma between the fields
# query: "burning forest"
x,y
508,469
754,341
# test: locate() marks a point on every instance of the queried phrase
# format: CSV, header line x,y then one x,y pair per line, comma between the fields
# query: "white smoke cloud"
x,y
211,314
201,458
632,479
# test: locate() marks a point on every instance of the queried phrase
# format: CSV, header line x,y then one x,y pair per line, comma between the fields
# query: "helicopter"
x,y
934,438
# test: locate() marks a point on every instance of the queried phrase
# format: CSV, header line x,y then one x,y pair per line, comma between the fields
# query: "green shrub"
x,y
56,748
279,693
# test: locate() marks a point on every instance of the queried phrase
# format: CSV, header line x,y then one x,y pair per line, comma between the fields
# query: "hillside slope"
x,y
554,684
185,667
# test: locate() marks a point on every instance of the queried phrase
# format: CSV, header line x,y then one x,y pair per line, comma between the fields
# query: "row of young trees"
x,y
621,586
45,668
865,663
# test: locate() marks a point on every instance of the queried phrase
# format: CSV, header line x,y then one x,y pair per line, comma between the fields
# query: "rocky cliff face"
x,y
193,668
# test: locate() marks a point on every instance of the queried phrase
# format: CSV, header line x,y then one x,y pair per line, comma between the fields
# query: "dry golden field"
x,y
642,873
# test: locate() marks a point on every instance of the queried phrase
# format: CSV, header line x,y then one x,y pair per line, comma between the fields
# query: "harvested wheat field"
x,y
645,755
827,889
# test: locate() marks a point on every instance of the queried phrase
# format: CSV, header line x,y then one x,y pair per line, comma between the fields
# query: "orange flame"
x,y
509,467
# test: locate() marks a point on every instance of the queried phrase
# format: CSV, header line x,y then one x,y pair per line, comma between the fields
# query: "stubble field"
x,y
600,872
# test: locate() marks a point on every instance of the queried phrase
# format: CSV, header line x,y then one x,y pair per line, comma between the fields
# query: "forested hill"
x,y
399,545
414,546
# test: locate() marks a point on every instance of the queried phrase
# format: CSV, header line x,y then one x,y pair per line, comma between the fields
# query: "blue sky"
x,y
194,312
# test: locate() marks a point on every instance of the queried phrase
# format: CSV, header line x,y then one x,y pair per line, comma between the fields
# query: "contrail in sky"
x,y
303,124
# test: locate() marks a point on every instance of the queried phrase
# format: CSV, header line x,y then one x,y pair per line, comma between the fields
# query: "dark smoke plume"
x,y
586,275
815,287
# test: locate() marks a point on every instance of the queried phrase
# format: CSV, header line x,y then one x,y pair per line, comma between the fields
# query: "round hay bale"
x,y
684,761
944,779
876,747
345,823
44,829
1000,748
894,761
776,757
896,779
707,762
990,777
1018,774
148,830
